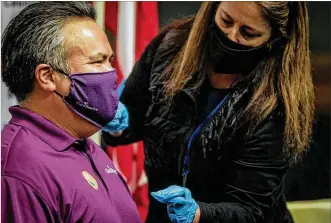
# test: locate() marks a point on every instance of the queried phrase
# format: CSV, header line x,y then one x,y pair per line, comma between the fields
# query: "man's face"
x,y
88,50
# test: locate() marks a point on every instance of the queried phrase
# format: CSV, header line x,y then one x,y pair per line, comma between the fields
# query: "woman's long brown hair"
x,y
287,81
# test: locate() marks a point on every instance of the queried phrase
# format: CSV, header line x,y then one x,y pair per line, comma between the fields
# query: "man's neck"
x,y
64,118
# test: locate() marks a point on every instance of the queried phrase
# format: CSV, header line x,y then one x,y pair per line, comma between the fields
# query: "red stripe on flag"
x,y
147,25
111,12
111,19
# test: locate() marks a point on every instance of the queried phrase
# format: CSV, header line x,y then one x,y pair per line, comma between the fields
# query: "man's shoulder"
x,y
30,160
22,152
23,165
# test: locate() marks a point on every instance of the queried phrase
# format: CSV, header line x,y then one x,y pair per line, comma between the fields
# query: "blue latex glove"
x,y
181,205
121,120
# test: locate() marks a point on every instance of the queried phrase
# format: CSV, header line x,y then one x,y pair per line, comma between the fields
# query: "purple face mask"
x,y
93,96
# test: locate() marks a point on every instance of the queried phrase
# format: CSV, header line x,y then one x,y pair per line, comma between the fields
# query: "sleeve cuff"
x,y
204,212
208,213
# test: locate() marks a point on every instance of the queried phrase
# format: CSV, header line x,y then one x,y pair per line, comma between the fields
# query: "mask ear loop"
x,y
58,70
59,94
62,73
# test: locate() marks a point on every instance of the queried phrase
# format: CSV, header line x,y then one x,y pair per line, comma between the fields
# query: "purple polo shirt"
x,y
49,176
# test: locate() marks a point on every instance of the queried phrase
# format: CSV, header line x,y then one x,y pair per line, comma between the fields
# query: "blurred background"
x,y
130,26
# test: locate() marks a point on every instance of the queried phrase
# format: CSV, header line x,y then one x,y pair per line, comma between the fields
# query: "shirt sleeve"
x,y
21,203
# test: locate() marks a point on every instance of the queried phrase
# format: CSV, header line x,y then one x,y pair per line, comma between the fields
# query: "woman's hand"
x,y
119,123
181,206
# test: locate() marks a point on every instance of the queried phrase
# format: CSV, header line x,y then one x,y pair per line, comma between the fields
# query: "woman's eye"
x,y
99,61
226,22
249,35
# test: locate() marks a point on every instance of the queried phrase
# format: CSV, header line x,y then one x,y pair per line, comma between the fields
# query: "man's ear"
x,y
44,77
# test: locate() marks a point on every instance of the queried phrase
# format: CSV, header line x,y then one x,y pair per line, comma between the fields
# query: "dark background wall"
x,y
311,179
319,17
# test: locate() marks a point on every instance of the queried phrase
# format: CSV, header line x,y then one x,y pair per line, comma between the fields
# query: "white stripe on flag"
x,y
125,43
100,12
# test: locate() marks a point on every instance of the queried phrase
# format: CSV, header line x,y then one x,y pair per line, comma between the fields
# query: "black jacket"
x,y
235,175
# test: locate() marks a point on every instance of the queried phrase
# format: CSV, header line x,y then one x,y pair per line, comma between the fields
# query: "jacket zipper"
x,y
186,165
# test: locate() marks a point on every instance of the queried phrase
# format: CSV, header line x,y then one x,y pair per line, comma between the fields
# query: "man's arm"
x,y
21,203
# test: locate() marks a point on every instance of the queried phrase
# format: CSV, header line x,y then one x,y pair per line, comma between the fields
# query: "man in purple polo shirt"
x,y
57,62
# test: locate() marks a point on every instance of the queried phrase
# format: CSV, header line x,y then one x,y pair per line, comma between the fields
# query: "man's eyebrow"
x,y
100,56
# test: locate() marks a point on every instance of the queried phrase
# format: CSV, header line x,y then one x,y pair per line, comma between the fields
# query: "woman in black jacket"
x,y
224,103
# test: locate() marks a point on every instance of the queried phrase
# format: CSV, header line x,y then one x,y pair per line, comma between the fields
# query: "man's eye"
x,y
99,61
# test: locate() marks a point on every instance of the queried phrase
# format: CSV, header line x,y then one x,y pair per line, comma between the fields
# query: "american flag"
x,y
132,25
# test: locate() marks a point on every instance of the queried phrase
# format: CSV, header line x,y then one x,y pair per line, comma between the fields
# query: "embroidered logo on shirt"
x,y
86,105
90,180
110,170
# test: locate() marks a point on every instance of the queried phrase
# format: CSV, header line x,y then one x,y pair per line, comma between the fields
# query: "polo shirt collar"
x,y
50,133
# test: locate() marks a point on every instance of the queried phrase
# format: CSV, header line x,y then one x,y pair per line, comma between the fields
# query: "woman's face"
x,y
243,23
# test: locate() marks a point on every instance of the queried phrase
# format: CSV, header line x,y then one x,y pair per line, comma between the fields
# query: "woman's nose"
x,y
233,34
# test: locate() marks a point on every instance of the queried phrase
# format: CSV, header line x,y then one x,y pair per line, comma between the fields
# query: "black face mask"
x,y
229,57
